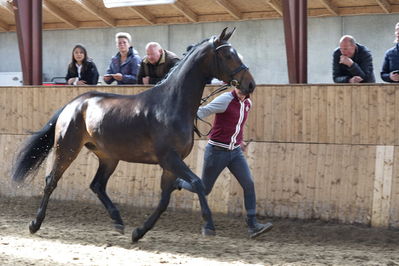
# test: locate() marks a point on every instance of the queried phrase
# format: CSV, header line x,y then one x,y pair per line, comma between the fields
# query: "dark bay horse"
x,y
153,127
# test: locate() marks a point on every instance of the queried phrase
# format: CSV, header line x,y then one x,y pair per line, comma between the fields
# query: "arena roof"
x,y
73,14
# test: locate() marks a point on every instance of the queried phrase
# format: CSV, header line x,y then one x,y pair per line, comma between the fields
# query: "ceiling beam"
x,y
186,11
4,26
59,14
331,7
276,5
233,11
143,14
7,6
90,7
385,5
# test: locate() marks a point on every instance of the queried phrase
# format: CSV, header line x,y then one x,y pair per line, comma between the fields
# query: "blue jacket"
x,y
362,66
391,63
129,69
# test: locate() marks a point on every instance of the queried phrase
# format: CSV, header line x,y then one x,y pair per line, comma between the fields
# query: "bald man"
x,y
352,62
156,64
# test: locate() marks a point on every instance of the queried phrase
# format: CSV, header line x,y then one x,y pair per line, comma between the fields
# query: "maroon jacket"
x,y
231,114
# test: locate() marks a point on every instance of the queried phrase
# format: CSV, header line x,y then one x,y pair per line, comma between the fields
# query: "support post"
x,y
295,32
28,18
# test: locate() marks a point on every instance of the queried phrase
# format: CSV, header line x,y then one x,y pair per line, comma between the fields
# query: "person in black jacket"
x,y
390,67
352,62
82,70
156,64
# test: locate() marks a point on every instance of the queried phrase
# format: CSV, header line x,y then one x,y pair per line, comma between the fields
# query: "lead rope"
x,y
205,99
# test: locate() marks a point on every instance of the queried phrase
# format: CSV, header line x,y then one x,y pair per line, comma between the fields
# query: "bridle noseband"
x,y
233,82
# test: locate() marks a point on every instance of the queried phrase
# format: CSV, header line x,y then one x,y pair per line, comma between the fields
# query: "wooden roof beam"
x,y
7,6
186,11
59,14
331,7
385,5
90,7
276,5
143,14
233,11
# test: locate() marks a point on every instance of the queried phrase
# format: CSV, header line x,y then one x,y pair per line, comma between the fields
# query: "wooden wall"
x,y
318,151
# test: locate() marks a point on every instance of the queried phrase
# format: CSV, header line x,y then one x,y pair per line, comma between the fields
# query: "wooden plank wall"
x,y
319,151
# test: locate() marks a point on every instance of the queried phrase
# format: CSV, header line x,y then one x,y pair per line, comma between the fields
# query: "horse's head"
x,y
229,66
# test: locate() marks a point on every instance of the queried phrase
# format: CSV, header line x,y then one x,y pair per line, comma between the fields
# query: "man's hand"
x,y
346,60
394,76
356,79
146,80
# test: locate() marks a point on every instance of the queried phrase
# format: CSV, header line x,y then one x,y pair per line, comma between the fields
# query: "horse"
x,y
152,127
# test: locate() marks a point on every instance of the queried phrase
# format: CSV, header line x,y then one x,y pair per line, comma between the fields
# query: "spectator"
x,y
125,65
390,67
82,70
352,62
225,149
156,64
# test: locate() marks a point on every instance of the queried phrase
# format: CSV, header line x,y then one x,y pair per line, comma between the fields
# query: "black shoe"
x,y
259,229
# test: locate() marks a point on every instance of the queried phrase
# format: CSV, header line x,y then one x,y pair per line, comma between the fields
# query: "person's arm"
x,y
338,76
109,71
218,105
364,68
385,73
131,78
93,74
141,74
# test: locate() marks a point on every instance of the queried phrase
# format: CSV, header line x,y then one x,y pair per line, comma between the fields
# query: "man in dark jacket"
x,y
352,62
390,67
156,64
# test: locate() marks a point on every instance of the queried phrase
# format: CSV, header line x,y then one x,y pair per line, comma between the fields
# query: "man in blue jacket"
x,y
352,62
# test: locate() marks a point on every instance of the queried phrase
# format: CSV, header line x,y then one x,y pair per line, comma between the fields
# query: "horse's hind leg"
x,y
63,155
167,187
98,186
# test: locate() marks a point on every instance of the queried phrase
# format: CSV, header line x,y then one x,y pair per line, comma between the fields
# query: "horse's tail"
x,y
35,150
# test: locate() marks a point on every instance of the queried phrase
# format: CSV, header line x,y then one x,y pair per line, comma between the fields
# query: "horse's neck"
x,y
189,89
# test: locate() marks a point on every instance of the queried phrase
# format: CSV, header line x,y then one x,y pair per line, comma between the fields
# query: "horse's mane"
x,y
181,62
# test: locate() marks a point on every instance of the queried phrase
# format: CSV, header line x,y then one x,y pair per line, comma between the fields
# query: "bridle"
x,y
233,82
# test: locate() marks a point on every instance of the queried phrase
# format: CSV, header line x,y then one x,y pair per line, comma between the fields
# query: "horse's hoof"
x,y
136,235
207,232
120,228
33,228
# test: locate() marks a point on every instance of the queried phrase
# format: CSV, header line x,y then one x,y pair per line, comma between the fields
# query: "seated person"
x,y
82,70
125,65
156,64
390,67
352,62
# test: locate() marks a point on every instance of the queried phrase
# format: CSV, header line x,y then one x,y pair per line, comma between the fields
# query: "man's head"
x,y
397,32
154,52
347,45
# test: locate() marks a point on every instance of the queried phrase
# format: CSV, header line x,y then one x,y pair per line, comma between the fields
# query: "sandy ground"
x,y
76,233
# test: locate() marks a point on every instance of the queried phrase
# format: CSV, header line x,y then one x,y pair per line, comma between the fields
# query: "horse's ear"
x,y
228,35
225,36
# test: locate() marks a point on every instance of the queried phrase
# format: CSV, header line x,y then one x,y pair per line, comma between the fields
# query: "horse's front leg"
x,y
172,163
